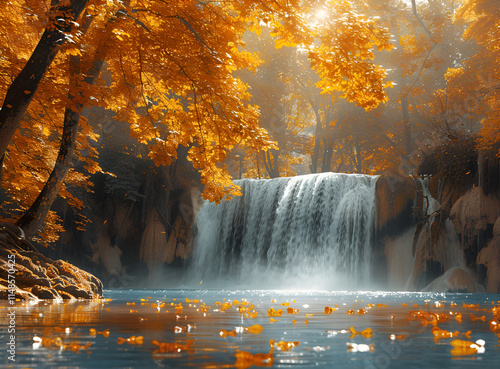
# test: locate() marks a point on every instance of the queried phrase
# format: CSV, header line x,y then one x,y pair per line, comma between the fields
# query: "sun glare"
x,y
321,15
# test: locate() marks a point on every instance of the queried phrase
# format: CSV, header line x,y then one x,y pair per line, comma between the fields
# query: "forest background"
x,y
140,100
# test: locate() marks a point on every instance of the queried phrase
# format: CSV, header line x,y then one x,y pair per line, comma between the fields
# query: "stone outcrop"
x,y
138,221
454,280
437,250
37,276
489,258
166,242
396,196
472,213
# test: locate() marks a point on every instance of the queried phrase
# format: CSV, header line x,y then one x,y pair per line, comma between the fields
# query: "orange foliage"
x,y
170,75
343,60
481,18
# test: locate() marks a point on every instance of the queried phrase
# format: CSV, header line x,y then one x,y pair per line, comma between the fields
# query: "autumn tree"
x,y
61,21
283,113
170,76
478,77
78,95
427,44
31,156
322,106
150,22
348,38
340,67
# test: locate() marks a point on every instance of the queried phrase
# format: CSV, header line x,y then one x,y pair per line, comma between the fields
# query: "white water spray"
x,y
313,231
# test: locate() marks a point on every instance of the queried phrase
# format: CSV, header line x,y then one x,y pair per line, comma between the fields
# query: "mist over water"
x,y
313,231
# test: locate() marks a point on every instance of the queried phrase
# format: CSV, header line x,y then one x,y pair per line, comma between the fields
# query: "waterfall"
x,y
430,203
400,260
312,231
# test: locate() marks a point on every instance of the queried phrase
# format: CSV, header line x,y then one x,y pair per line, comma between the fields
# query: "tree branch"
x,y
420,71
414,7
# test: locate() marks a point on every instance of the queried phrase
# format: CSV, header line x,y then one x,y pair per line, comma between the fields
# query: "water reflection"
x,y
182,328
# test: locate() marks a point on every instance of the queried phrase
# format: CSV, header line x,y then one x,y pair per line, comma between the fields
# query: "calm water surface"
x,y
322,343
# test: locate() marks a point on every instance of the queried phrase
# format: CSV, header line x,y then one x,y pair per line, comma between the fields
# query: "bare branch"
x,y
194,32
124,13
420,71
414,7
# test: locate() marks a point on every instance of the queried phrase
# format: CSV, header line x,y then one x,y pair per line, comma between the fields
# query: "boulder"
x,y
472,213
36,276
454,280
489,257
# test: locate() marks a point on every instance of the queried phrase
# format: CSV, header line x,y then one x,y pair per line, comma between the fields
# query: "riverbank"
x,y
27,274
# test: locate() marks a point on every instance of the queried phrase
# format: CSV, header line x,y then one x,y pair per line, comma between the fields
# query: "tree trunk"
x,y
315,155
275,162
33,219
240,166
407,127
266,165
258,166
357,161
271,163
317,140
329,140
24,86
327,157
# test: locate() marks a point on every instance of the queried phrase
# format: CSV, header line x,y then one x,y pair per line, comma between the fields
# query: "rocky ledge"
x,y
35,276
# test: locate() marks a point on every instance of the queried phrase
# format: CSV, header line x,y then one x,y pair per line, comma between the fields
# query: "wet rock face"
x,y
395,196
437,250
37,276
489,261
473,216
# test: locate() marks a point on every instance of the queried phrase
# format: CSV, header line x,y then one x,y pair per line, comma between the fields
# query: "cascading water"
x,y
305,231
